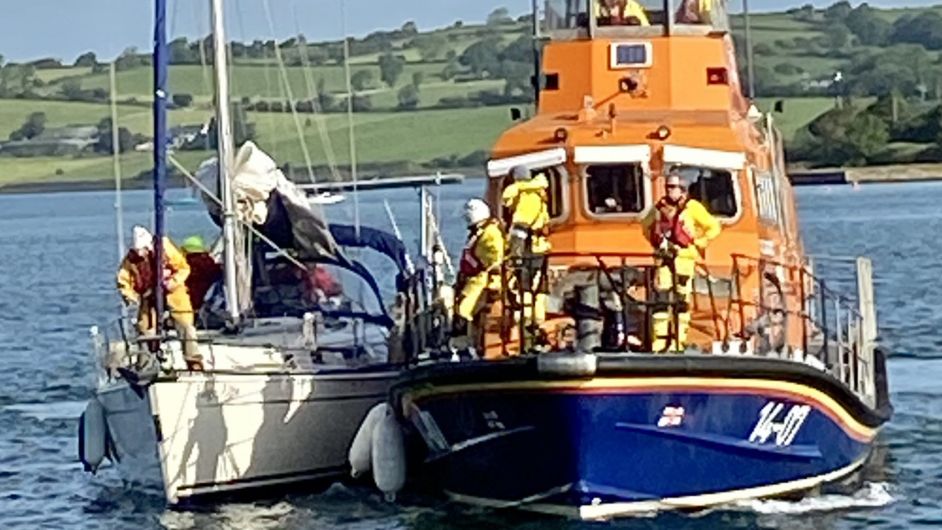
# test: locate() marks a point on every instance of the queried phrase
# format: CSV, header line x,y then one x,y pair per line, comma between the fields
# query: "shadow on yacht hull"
x,y
204,436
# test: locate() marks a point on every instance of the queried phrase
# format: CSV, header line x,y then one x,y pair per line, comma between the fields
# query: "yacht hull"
x,y
204,434
627,441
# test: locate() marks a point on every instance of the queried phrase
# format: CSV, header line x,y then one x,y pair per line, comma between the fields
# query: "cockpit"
x,y
571,19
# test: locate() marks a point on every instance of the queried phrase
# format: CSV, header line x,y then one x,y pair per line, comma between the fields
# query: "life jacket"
x,y
470,265
669,225
142,273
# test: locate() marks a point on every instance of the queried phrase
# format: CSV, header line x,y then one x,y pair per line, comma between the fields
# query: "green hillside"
x,y
447,104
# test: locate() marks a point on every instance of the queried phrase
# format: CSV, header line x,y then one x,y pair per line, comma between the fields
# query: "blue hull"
x,y
618,445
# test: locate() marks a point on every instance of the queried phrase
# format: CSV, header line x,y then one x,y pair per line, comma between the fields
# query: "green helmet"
x,y
193,244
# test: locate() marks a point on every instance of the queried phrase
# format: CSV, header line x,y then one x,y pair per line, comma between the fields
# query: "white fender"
x,y
360,452
93,436
389,456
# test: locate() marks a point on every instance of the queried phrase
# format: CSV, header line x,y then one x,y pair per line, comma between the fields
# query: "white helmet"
x,y
142,239
476,211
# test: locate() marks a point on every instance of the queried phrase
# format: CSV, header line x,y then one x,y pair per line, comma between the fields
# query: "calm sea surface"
x,y
57,258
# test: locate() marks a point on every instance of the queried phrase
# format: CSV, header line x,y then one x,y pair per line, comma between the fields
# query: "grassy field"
x,y
385,136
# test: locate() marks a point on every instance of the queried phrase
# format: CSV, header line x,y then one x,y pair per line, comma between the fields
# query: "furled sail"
x,y
264,197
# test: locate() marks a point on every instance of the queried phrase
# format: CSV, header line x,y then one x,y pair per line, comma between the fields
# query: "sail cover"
x,y
264,197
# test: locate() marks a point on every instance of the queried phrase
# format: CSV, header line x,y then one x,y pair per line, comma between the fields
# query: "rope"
x,y
291,99
315,102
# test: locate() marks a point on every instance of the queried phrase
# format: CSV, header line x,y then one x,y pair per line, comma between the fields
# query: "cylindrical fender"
x,y
389,455
360,454
93,436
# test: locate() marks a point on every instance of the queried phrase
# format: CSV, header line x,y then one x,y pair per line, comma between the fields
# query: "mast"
x,y
160,149
224,154
116,160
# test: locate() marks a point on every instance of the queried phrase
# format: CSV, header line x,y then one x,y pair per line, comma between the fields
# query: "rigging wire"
x,y
290,93
313,95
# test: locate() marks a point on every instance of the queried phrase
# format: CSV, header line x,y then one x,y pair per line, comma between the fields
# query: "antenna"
x,y
536,53
750,72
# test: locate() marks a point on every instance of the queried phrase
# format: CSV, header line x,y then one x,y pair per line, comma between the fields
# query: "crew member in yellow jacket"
x,y
527,201
478,274
620,13
136,281
680,229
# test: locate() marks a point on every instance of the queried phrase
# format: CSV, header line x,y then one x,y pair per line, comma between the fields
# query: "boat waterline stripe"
x,y
603,511
242,483
606,511
601,385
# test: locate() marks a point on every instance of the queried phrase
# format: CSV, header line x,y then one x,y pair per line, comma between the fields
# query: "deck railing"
x,y
757,307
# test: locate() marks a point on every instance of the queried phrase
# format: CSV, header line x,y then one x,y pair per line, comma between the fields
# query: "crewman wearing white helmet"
x,y
478,274
137,279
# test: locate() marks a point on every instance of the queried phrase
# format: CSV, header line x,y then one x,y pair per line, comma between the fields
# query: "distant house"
x,y
183,135
61,141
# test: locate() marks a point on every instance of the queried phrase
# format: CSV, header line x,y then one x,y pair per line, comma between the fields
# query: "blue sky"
x,y
30,29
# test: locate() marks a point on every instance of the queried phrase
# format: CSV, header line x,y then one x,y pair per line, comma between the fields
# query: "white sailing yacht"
x,y
290,371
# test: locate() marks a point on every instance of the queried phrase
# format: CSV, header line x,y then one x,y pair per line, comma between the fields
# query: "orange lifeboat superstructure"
x,y
618,106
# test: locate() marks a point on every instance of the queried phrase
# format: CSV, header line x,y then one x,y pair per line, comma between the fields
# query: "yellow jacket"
x,y
527,200
695,221
133,283
632,9
480,266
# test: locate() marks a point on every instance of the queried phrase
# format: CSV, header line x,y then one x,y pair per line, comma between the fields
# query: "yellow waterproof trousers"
x,y
673,286
181,311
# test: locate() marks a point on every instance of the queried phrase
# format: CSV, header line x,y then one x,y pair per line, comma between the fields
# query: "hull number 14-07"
x,y
772,422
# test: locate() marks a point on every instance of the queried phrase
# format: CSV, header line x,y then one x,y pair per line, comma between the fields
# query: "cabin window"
x,y
698,13
714,188
556,202
615,189
566,15
767,199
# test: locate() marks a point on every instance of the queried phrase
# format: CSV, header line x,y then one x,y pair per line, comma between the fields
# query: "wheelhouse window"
x,y
555,193
615,189
714,188
566,15
711,13
629,12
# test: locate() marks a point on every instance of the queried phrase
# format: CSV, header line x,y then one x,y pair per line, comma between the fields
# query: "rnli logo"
x,y
778,425
671,417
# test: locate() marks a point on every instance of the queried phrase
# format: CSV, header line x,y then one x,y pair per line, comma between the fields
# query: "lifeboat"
x,y
780,387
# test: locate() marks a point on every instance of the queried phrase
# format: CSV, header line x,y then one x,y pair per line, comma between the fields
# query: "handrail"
x,y
831,326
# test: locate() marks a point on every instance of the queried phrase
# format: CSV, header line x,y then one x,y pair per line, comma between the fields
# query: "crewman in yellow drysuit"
x,y
680,229
527,202
136,281
478,275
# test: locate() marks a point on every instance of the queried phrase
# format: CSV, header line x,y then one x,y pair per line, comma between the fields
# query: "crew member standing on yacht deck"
x,y
680,229
136,280
527,202
478,275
